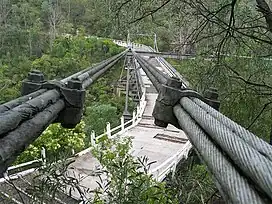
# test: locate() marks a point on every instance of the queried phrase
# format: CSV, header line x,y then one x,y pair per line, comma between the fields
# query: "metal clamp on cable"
x,y
73,94
169,96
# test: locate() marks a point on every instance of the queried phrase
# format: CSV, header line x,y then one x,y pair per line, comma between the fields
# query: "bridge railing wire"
x,y
22,120
84,74
155,77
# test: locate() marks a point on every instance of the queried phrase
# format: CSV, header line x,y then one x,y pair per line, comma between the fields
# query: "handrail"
x,y
136,120
24,164
184,153
14,176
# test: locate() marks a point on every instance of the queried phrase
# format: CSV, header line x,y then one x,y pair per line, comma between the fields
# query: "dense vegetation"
x,y
70,55
238,35
240,101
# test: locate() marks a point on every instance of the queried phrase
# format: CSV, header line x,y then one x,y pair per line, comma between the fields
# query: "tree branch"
x,y
149,13
251,83
263,7
259,114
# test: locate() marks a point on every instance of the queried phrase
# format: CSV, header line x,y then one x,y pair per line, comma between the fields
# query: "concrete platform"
x,y
144,141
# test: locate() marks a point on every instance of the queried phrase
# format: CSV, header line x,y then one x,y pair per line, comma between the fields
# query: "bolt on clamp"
x,y
170,94
72,93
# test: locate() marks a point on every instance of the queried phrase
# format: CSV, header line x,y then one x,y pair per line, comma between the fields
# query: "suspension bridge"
x,y
170,120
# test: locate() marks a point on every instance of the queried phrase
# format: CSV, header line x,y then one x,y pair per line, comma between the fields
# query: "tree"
x,y
52,9
227,30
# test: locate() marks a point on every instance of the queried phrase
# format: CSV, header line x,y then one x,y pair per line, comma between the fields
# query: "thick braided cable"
x,y
155,72
236,186
16,102
153,79
91,79
11,119
256,166
256,142
86,73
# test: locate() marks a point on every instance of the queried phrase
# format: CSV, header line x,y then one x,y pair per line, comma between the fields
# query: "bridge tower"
x,y
129,85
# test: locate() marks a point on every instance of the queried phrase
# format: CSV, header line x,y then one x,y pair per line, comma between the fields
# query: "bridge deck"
x,y
158,144
168,141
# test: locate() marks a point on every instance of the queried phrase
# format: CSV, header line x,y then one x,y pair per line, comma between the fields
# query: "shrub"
x,y
128,178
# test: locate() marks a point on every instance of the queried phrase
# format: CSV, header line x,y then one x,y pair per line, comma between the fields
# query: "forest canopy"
x,y
236,33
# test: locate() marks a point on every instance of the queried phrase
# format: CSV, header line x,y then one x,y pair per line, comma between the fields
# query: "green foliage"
x,y
55,139
10,78
240,91
68,56
97,116
192,183
149,41
128,178
51,182
72,54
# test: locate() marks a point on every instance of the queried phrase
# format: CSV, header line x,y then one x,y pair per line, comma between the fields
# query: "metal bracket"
x,y
169,96
33,82
72,93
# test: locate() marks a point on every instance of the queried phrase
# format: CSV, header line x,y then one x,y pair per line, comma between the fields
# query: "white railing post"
x,y
157,175
175,165
93,138
5,175
122,123
174,170
138,111
144,91
133,117
73,151
108,130
43,155
141,103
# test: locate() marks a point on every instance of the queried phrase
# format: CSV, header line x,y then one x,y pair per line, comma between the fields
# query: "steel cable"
x,y
16,141
9,120
98,68
155,72
152,78
88,81
235,185
255,165
260,145
91,70
16,102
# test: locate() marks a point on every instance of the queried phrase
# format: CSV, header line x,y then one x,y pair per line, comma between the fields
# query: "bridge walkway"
x,y
161,145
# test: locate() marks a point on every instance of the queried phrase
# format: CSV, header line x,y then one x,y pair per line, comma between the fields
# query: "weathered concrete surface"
x,y
143,135
88,171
